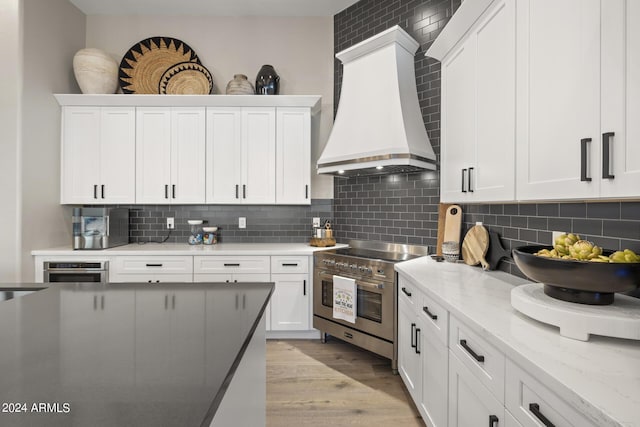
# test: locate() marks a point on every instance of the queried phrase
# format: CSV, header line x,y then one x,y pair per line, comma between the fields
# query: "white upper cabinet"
x,y
293,156
478,103
620,108
98,155
170,161
558,110
187,149
578,133
241,147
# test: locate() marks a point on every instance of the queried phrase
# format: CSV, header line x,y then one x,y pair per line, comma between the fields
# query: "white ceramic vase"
x,y
95,71
240,86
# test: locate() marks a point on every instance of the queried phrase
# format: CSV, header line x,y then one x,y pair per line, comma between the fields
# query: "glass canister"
x,y
210,235
195,238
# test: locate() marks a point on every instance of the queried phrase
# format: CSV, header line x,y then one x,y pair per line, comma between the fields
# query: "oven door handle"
x,y
359,283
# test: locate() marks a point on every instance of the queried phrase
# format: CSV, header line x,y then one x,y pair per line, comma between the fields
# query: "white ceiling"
x,y
213,7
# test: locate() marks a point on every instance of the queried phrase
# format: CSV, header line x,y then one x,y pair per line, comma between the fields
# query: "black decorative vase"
x,y
267,81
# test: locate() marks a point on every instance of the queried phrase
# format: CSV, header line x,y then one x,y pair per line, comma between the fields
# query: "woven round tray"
x,y
186,78
144,64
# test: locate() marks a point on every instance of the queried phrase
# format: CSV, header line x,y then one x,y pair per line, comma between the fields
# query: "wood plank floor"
x,y
333,384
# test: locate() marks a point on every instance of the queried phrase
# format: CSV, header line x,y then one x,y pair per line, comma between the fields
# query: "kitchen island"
x,y
175,354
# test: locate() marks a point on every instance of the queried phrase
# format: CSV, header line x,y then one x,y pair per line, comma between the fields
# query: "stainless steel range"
x,y
371,265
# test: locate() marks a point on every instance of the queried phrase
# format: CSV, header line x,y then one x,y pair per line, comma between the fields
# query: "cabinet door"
x,y
434,382
470,403
409,366
290,302
224,155
558,98
259,155
187,155
458,123
293,156
153,155
80,167
493,174
620,98
117,155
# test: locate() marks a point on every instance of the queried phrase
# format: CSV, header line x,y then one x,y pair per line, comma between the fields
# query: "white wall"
x,y
53,30
10,90
300,49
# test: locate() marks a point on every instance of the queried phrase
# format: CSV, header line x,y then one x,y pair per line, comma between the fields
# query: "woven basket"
x,y
186,78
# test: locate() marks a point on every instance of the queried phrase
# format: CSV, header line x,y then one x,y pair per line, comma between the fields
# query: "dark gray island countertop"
x,y
123,355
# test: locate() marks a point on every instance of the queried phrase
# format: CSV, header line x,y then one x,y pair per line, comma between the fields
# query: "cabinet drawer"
x,y
435,318
228,277
289,264
531,402
231,264
484,360
152,265
408,292
151,278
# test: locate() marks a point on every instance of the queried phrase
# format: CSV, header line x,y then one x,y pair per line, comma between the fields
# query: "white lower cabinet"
x,y
457,377
422,353
535,405
470,403
170,337
289,305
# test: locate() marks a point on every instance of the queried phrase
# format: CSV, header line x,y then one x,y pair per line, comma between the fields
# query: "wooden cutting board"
x,y
449,223
475,245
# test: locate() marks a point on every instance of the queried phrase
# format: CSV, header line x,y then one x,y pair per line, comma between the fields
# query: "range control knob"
x,y
369,270
354,266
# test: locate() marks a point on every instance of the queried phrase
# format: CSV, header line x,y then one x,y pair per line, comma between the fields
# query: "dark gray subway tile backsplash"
x,y
372,208
265,224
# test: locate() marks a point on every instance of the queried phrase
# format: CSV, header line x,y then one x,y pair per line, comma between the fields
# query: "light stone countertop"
x,y
186,249
600,377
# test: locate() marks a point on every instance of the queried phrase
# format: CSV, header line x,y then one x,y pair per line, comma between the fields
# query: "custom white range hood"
x,y
378,127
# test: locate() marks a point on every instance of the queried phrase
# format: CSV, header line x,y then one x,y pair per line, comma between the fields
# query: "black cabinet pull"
x,y
244,191
231,265
295,264
95,191
237,191
102,302
469,181
606,142
173,191
417,341
476,356
95,302
306,191
237,299
102,190
413,335
154,265
431,315
406,292
173,301
166,191
493,421
304,287
535,410
166,302
583,159
463,172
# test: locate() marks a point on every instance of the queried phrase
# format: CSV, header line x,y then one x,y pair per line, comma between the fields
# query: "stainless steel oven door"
x,y
375,308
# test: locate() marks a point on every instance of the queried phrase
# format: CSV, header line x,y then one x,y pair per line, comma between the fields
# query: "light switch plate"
x,y
242,222
554,235
170,223
316,221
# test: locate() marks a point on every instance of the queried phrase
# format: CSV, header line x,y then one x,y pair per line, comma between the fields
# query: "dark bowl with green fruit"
x,y
580,281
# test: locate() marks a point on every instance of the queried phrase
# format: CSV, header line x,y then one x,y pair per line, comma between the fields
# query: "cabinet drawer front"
x,y
153,265
228,277
408,292
289,264
151,278
435,318
231,264
531,402
483,359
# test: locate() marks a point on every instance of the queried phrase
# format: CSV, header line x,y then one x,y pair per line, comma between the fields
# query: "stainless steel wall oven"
x,y
76,271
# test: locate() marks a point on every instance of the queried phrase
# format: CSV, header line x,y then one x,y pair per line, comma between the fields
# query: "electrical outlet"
x,y
170,223
316,221
242,222
554,235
